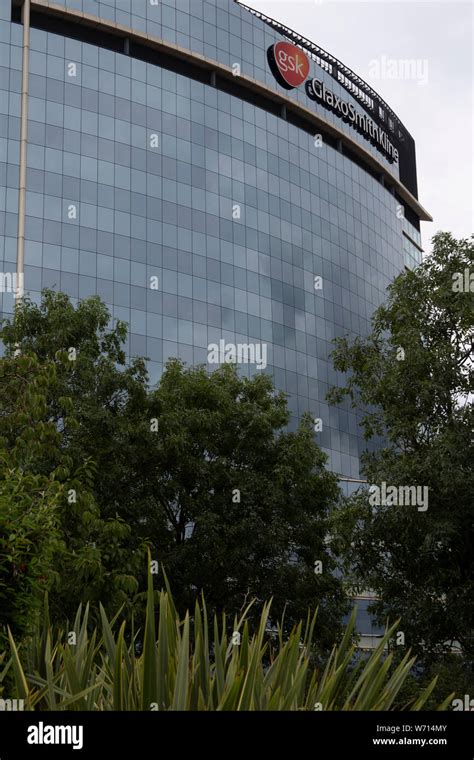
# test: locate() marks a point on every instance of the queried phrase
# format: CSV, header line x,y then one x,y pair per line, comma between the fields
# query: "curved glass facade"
x,y
198,217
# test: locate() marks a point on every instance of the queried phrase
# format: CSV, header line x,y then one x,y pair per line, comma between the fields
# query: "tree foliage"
x,y
29,500
413,377
241,505
50,409
201,469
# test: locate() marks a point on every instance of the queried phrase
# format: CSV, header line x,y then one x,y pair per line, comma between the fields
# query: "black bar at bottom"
x,y
318,734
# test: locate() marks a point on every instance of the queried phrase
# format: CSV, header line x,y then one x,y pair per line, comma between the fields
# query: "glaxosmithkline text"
x,y
317,90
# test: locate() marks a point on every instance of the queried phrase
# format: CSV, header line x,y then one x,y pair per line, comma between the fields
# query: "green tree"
x,y
412,379
30,535
201,468
241,505
99,556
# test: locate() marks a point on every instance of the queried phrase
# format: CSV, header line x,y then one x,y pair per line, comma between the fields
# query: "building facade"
x,y
222,183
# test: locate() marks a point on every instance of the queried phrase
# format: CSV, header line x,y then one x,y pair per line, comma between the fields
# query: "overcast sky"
x,y
436,106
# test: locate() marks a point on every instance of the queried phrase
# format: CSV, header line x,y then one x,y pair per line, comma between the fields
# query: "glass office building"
x,y
171,167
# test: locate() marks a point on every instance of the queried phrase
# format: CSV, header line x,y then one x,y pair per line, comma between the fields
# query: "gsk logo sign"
x,y
289,65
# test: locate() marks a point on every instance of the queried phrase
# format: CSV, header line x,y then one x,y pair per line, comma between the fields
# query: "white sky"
x,y
438,113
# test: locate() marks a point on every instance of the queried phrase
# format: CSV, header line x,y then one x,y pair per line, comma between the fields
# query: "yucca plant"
x,y
178,667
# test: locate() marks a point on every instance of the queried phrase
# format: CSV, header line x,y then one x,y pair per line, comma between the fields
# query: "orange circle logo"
x,y
290,66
